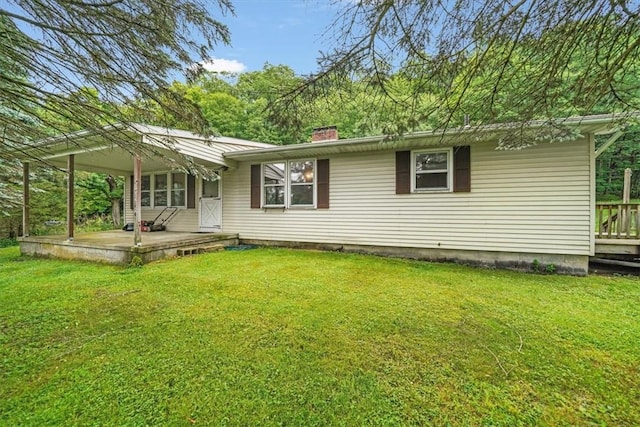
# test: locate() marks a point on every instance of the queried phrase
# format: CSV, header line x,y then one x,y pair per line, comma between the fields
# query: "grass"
x,y
285,337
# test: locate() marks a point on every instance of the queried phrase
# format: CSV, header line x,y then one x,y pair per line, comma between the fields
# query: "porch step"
x,y
199,250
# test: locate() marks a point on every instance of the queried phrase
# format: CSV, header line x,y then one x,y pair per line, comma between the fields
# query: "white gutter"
x,y
593,121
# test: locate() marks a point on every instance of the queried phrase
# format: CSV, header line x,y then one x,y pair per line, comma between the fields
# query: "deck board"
x,y
615,246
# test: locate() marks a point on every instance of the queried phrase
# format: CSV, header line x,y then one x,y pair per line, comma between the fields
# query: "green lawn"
x,y
285,337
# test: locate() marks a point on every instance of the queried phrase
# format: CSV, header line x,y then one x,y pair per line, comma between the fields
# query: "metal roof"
x,y
162,148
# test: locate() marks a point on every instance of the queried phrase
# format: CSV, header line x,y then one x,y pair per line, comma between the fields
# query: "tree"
x,y
490,60
10,186
12,120
610,166
99,195
233,105
124,49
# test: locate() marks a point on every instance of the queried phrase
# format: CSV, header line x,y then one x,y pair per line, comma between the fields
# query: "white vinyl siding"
x,y
186,220
210,154
535,200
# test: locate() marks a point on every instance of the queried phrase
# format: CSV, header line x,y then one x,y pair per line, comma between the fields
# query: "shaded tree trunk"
x,y
115,211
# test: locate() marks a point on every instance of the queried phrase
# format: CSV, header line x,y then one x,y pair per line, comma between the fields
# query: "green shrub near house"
x,y
5,243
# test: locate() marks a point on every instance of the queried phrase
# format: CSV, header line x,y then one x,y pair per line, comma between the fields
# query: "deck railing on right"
x,y
618,220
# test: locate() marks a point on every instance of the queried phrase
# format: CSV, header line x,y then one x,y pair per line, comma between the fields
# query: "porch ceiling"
x,y
117,161
111,150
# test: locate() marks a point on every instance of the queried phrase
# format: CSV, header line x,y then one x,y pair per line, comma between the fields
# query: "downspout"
x,y
592,194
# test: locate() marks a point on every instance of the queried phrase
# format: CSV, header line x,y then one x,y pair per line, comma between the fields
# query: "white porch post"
x,y
70,198
137,202
25,199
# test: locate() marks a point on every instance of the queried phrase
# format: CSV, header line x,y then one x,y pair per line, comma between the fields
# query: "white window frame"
x,y
152,189
263,185
449,171
291,184
153,199
148,191
288,184
172,190
217,180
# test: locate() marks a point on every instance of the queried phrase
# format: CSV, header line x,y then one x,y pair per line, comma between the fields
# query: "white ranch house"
x,y
436,196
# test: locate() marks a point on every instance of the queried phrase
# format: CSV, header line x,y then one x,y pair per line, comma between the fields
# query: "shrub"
x,y
5,243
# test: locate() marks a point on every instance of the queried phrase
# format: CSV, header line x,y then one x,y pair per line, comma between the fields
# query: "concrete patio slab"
x,y
116,246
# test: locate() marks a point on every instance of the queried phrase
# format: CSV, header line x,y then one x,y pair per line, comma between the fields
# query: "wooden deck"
x,y
618,220
618,229
626,248
117,247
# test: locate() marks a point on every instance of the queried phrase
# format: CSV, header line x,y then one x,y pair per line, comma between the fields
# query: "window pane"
x,y
302,195
160,198
274,195
177,189
431,161
177,198
145,198
145,190
301,171
145,182
431,180
177,181
161,182
160,190
273,173
210,189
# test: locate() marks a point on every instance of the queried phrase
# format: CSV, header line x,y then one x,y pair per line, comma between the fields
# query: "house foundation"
x,y
576,265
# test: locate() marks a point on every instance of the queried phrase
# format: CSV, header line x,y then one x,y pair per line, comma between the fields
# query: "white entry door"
x,y
210,206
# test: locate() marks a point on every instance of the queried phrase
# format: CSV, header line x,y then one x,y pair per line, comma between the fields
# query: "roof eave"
x,y
601,124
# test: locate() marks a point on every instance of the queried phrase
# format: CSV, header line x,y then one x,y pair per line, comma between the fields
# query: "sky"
x,y
288,32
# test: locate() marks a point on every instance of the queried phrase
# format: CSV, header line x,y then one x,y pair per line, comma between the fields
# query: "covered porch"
x,y
116,246
165,171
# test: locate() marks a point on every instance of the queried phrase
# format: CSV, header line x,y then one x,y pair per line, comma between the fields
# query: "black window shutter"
x,y
462,169
131,194
191,191
322,172
403,172
255,186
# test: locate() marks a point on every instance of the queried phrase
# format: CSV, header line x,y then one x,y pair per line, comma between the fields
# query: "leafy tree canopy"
x,y
124,49
490,60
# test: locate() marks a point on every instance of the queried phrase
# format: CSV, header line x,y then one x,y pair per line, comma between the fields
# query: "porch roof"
x,y
111,149
597,124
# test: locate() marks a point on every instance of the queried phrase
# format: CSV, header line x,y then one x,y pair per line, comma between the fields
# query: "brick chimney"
x,y
327,133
